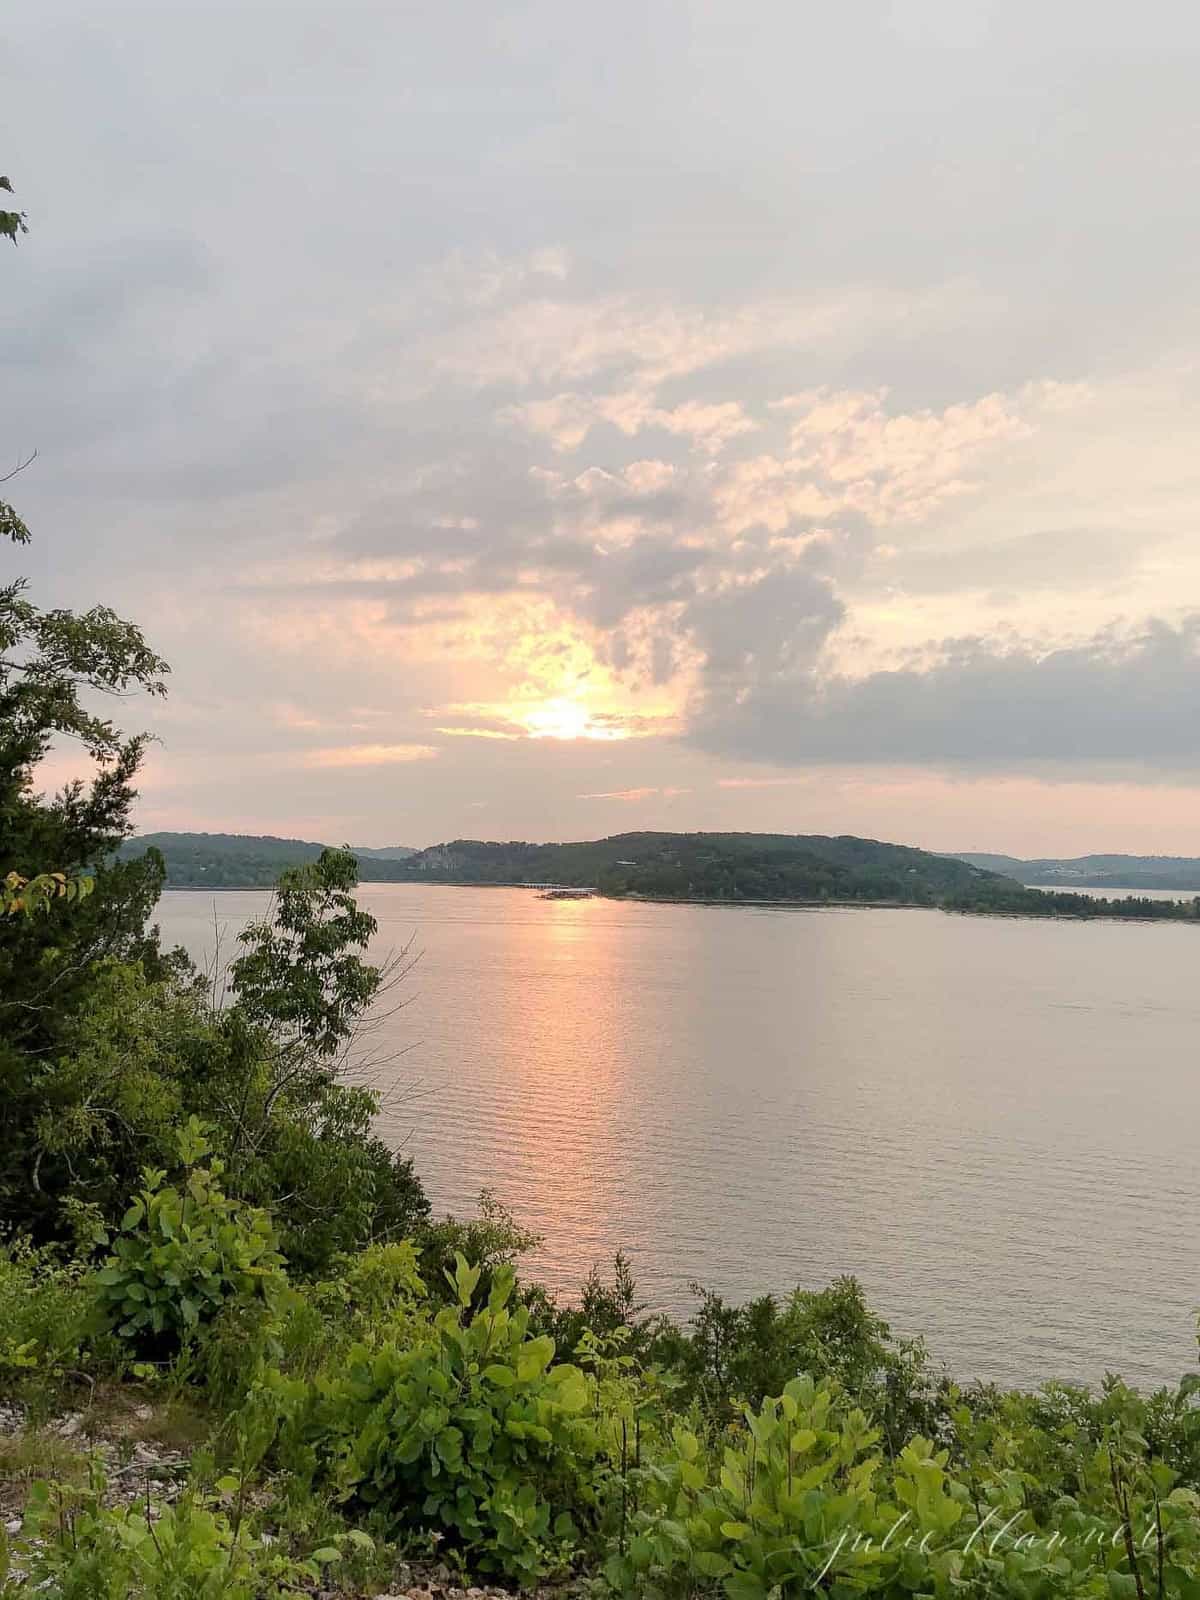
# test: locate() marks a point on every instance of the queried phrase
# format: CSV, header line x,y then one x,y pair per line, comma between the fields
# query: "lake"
x,y
992,1122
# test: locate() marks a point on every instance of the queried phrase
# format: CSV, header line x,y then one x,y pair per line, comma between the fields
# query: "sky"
x,y
528,420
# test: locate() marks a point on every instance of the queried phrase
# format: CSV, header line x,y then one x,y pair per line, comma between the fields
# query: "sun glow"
x,y
566,719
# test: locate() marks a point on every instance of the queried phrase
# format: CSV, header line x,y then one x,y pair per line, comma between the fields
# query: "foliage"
x,y
28,895
200,1548
46,1308
458,1423
738,1355
293,1126
471,1430
492,1239
801,1499
148,1051
604,1310
300,973
183,1255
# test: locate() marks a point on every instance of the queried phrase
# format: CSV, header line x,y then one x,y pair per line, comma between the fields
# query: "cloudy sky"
x,y
543,420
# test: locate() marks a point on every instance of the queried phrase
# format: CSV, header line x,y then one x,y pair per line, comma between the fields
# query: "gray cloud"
x,y
1052,558
1111,699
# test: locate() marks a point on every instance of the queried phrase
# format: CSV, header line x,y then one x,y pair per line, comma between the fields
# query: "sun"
x,y
562,718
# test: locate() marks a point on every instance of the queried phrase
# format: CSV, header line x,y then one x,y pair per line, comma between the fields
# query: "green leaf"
x,y
710,1564
326,1554
735,1530
534,1358
745,1586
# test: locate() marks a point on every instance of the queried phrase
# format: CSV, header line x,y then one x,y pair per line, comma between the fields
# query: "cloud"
x,y
566,420
367,755
848,453
1048,559
1117,697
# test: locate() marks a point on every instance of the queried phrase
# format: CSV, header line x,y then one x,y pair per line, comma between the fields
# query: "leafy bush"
x,y
492,1239
800,1499
472,1431
184,1255
778,1511
738,1355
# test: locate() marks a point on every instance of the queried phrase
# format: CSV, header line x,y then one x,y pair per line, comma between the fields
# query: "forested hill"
x,y
1180,873
249,861
708,866
750,867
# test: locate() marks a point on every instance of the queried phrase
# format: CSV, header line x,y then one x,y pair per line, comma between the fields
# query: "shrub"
x,y
799,1499
473,1431
738,1355
794,1498
183,1255
492,1240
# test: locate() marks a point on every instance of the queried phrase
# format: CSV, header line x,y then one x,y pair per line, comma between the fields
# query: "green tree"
x,y
300,1110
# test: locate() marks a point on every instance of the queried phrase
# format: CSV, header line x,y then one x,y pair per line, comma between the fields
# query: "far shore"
x,y
725,905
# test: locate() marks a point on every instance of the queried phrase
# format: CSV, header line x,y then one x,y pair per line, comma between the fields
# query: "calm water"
x,y
992,1122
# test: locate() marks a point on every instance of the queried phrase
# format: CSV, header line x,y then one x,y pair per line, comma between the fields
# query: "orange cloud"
x,y
367,755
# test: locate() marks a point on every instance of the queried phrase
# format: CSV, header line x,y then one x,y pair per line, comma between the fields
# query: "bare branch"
x,y
20,467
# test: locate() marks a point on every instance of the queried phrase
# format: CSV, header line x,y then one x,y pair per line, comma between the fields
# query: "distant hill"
x,y
754,867
707,866
1095,872
249,861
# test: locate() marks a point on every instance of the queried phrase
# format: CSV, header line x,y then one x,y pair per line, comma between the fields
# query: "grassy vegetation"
x,y
400,1408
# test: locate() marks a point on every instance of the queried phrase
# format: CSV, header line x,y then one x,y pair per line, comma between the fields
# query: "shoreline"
x,y
730,905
